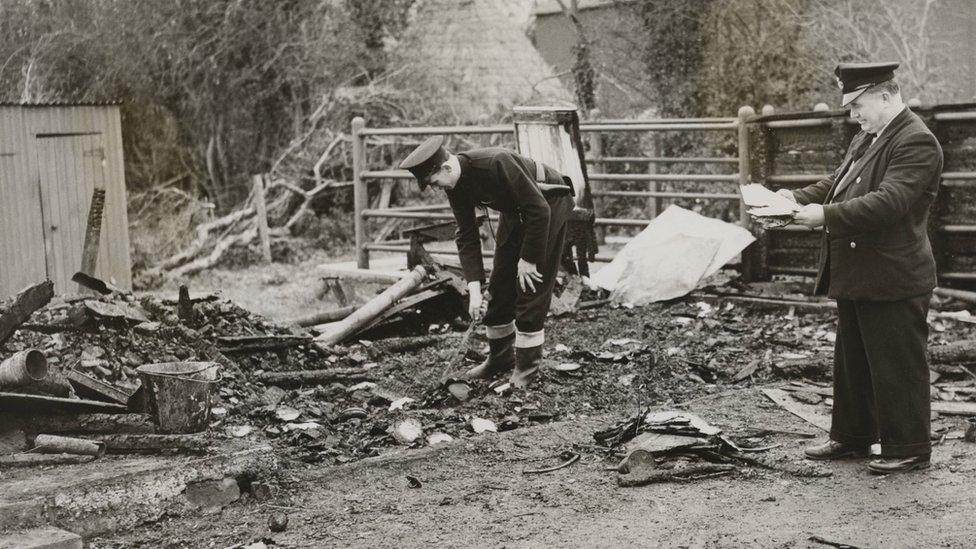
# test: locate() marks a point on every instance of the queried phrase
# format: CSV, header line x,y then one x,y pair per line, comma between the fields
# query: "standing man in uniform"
x,y
535,202
877,262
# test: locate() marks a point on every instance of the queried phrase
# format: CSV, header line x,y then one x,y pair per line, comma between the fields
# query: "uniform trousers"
x,y
511,310
881,376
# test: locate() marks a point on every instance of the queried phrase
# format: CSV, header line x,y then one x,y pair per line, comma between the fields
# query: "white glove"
x,y
475,300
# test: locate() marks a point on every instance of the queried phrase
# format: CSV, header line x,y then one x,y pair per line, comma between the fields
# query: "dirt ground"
x,y
473,492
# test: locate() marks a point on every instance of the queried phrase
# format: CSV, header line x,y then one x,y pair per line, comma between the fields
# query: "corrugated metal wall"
x,y
62,152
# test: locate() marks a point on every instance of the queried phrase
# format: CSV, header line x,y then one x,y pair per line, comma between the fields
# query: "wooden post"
x,y
360,192
262,218
750,254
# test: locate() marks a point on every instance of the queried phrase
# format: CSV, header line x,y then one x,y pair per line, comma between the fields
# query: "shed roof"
x,y
552,7
478,56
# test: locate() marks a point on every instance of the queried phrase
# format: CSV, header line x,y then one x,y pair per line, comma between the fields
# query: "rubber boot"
x,y
527,361
501,358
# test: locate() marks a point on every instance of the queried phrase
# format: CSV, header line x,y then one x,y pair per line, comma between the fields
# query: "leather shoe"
x,y
885,466
836,450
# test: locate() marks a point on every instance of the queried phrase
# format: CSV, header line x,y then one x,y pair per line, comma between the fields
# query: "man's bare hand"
x,y
528,276
811,215
787,194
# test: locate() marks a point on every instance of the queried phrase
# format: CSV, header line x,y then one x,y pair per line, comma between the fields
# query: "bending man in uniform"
x,y
535,202
877,262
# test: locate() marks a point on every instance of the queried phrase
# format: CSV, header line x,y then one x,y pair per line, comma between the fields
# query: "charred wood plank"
x,y
23,306
153,444
313,377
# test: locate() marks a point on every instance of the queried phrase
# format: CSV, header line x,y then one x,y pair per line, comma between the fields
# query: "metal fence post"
x,y
745,166
360,192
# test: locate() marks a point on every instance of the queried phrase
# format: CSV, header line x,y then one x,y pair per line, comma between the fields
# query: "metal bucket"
x,y
22,368
178,394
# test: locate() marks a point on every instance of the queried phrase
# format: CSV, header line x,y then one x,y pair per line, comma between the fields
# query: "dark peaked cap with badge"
x,y
856,78
425,159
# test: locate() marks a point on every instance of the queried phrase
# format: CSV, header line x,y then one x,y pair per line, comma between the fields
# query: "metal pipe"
x,y
723,126
958,229
661,120
778,124
665,159
666,194
440,130
431,216
795,178
962,115
957,276
485,253
23,368
360,191
722,178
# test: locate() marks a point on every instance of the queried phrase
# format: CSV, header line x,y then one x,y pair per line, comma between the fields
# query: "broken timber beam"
x,y
250,344
23,306
678,474
373,308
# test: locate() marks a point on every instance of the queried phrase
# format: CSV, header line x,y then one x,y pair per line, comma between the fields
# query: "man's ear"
x,y
446,166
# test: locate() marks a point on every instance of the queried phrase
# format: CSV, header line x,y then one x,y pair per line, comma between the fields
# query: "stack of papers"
x,y
767,207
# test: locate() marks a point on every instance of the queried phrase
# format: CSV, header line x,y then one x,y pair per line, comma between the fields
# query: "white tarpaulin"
x,y
671,256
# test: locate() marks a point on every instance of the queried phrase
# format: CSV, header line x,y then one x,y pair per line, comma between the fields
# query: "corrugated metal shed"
x,y
52,156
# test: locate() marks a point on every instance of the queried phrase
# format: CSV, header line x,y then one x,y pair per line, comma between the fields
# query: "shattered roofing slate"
x,y
480,56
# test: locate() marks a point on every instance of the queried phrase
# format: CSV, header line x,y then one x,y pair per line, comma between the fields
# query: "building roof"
x,y
478,57
60,103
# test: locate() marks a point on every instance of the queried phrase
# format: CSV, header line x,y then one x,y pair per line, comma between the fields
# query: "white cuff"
x,y
500,331
529,339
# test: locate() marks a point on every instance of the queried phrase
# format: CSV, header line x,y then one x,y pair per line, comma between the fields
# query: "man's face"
x,y
445,177
868,110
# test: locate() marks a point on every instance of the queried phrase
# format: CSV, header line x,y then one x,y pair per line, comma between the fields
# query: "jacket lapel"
x,y
846,168
900,121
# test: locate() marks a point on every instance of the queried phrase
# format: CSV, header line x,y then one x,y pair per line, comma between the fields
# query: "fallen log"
x,y
943,361
91,424
953,353
38,460
679,474
339,331
334,315
313,377
152,444
23,306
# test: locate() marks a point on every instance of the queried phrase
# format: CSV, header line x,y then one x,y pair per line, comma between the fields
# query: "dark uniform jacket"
x,y
504,181
875,246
